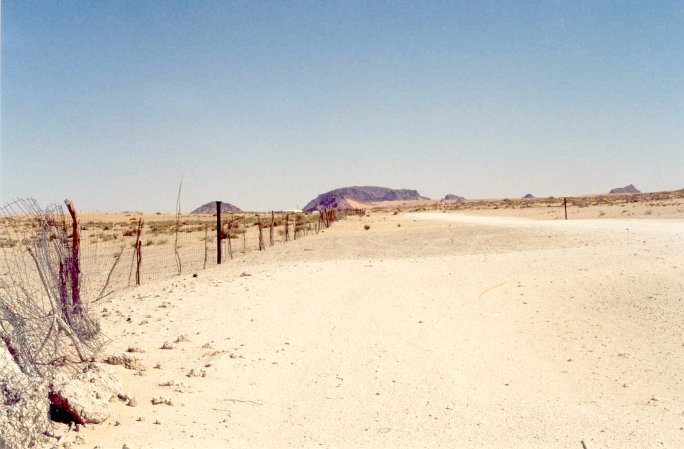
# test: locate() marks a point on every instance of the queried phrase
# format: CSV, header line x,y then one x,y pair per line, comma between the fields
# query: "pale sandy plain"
x,y
427,330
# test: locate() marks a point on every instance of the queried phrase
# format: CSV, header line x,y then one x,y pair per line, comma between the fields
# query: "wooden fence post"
x,y
565,205
270,234
230,245
206,238
219,228
286,236
138,231
139,259
74,265
262,246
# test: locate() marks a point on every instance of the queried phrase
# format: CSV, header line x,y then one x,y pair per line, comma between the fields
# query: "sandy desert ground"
x,y
427,330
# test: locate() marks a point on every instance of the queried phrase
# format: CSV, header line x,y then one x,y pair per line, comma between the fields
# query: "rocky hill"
x,y
529,196
629,189
340,198
452,197
210,208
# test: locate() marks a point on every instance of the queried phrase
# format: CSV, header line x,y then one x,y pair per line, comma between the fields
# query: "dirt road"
x,y
446,331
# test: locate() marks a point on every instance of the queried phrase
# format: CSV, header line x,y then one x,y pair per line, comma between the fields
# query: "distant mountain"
x,y
452,197
529,196
210,208
629,189
340,198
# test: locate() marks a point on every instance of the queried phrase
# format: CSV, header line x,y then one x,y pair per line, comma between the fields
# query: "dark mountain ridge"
x,y
628,189
210,208
337,199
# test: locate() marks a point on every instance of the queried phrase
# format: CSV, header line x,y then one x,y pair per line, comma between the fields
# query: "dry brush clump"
x,y
48,335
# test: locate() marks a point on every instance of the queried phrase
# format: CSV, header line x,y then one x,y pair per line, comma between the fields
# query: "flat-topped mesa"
x,y
343,198
628,189
452,197
210,208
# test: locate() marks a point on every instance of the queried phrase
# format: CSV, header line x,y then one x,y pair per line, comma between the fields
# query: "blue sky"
x,y
267,104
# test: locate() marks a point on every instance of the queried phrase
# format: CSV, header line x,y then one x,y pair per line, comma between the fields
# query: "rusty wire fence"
x,y
121,254
54,266
46,327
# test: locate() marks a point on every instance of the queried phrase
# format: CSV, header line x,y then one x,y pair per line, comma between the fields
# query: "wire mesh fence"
x,y
120,254
55,266
45,323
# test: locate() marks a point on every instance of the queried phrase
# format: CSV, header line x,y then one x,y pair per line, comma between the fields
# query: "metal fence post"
x,y
218,232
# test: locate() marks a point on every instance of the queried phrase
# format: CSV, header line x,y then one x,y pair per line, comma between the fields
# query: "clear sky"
x,y
267,104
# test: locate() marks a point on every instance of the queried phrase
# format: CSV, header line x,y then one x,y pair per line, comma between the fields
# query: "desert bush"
x,y
8,243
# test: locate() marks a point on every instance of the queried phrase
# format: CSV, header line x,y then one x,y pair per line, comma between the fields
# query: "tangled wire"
x,y
45,324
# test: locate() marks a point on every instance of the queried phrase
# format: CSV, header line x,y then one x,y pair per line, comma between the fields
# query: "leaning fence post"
x,y
139,260
138,231
218,232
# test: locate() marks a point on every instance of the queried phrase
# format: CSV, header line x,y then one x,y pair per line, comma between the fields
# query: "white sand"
x,y
448,331
658,226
